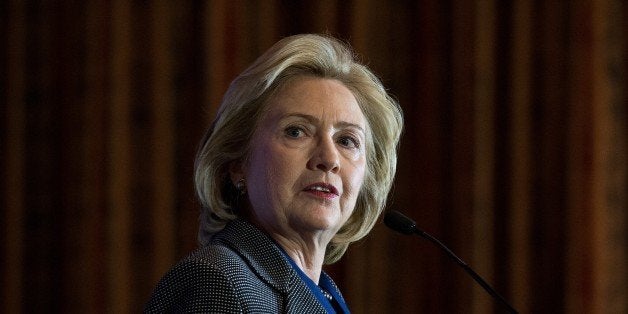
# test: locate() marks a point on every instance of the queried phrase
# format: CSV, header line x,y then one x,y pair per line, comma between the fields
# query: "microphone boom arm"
x,y
402,224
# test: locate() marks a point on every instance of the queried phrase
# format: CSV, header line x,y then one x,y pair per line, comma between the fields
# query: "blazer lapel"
x,y
268,262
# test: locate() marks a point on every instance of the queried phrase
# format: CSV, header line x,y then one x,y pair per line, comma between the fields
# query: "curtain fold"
x,y
514,152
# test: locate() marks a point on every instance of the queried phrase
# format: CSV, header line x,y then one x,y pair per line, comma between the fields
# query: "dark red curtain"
x,y
514,152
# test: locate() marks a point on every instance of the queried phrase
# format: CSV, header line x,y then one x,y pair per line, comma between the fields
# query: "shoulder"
x,y
197,283
212,279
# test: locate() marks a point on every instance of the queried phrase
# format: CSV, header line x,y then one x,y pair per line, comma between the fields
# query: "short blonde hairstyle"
x,y
227,139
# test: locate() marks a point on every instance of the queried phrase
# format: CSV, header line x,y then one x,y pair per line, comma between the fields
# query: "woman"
x,y
297,165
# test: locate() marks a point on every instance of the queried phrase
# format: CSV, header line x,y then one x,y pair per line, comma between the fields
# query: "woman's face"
x,y
307,159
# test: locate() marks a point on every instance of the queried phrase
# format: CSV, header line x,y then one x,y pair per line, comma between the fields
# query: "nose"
x,y
325,156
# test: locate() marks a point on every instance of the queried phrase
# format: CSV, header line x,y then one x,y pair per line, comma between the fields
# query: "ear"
x,y
236,171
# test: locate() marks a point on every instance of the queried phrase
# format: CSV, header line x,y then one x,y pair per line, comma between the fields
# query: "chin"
x,y
326,220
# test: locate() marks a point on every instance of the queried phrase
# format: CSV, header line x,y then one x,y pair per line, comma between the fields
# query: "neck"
x,y
307,250
309,257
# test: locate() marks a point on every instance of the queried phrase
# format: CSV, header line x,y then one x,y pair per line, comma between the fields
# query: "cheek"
x,y
271,169
356,177
258,169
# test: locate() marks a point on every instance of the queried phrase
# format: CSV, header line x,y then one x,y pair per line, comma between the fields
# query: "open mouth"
x,y
322,189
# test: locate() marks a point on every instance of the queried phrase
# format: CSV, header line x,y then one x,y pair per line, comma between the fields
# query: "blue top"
x,y
337,305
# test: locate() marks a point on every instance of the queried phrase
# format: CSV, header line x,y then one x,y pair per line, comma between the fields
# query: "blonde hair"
x,y
226,141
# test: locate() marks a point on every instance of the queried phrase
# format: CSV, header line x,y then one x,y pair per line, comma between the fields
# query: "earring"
x,y
241,186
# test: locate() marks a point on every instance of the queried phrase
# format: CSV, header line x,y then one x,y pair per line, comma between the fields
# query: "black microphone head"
x,y
399,222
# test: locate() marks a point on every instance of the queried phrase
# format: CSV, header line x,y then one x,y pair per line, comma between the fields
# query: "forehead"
x,y
318,97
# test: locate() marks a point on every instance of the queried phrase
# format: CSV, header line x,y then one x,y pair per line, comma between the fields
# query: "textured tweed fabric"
x,y
241,271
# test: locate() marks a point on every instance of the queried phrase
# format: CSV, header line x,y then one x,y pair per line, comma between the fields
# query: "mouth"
x,y
322,189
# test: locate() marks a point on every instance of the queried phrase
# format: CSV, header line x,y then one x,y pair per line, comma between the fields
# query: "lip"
x,y
333,191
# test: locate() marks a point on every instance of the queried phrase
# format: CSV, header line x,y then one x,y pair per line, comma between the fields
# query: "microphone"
x,y
402,224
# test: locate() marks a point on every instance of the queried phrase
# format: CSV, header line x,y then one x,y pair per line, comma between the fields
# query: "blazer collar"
x,y
264,257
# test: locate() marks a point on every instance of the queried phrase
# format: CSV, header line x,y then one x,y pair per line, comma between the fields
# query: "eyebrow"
x,y
311,118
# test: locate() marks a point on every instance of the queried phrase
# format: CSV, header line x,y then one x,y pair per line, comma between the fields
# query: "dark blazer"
x,y
241,271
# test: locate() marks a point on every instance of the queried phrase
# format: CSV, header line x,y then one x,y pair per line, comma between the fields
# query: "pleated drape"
x,y
514,152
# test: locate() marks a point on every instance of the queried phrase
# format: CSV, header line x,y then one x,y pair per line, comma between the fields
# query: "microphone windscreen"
x,y
399,222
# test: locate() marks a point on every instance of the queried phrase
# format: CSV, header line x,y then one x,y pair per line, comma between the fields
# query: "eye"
x,y
294,131
349,142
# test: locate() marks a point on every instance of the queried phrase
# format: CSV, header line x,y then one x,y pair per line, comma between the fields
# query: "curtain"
x,y
514,150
